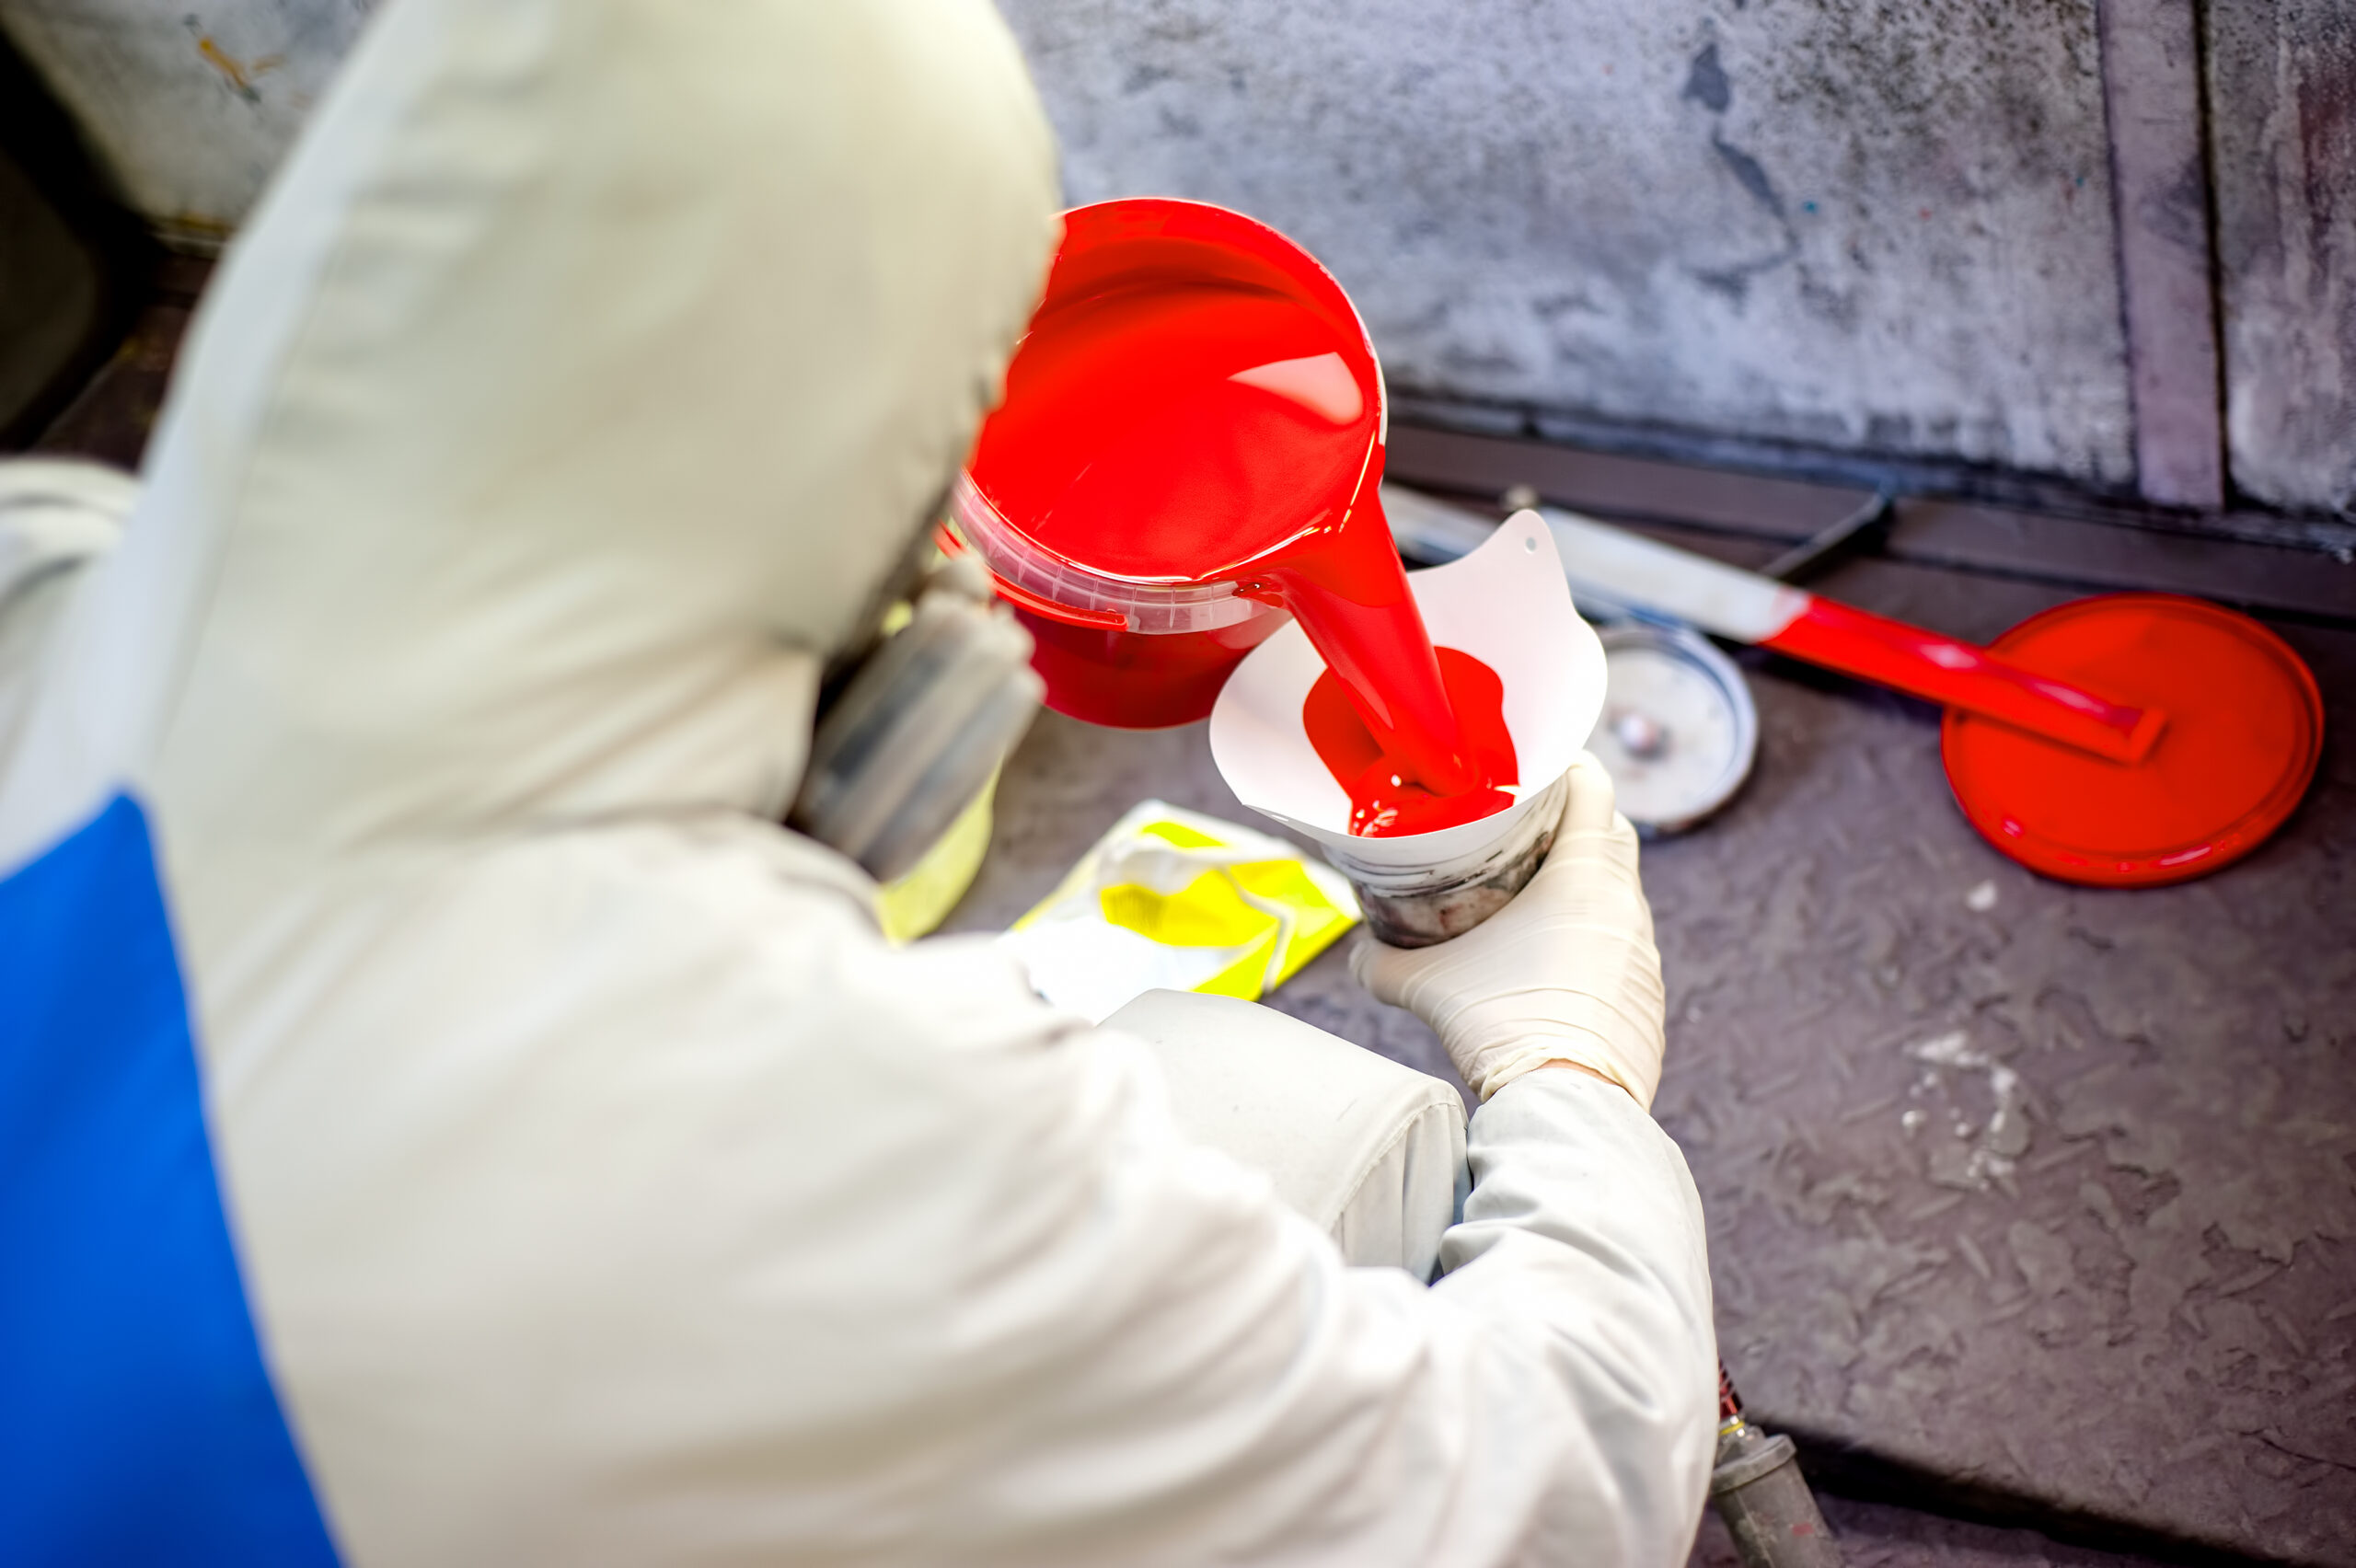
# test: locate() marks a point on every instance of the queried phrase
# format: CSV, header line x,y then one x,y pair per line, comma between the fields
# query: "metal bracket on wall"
x,y
2159,191
1829,544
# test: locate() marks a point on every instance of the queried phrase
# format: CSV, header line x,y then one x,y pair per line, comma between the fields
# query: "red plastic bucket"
x,y
1130,655
1140,631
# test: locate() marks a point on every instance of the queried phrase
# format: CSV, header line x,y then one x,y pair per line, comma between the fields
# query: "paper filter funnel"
x,y
1507,605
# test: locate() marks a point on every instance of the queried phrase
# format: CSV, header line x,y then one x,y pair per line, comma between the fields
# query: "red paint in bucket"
x,y
1191,441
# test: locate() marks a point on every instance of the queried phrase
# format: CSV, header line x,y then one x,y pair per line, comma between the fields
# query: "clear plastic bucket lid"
x,y
1039,579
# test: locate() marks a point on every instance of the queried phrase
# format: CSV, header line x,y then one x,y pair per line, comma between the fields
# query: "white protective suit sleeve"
x,y
605,1189
56,518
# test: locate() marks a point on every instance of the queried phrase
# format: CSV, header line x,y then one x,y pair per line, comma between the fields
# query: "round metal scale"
x,y
1679,730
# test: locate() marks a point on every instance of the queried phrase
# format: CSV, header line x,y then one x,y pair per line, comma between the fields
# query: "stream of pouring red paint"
x,y
1175,431
1383,804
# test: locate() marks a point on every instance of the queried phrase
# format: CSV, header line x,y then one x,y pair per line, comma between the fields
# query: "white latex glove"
x,y
1565,973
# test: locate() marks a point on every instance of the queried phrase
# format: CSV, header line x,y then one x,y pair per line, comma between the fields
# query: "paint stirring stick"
x,y
1615,566
2127,740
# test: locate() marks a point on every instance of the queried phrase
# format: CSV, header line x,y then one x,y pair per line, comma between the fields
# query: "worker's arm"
x,y
1552,1396
1553,1010
1560,1386
1550,1400
1572,1333
1582,1241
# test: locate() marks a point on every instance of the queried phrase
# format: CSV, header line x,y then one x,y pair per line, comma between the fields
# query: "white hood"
x,y
601,364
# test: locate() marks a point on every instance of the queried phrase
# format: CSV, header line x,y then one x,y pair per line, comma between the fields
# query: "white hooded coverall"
x,y
603,1188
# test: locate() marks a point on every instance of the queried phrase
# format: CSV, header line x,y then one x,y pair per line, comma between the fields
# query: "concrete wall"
x,y
1876,227
191,105
2283,133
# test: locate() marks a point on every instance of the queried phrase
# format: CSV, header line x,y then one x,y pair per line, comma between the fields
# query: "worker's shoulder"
x,y
716,935
789,920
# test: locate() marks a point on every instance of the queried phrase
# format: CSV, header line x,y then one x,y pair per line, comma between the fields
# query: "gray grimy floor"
x,y
2024,1200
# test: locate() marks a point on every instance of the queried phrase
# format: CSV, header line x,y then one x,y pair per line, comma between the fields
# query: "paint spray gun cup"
x,y
1505,604
1416,893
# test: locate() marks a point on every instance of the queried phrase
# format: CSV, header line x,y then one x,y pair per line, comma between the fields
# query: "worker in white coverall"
x,y
603,1187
